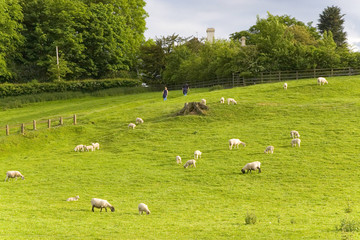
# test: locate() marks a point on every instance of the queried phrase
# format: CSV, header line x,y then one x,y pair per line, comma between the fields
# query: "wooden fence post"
x,y
34,125
49,123
22,128
297,75
74,119
7,130
61,121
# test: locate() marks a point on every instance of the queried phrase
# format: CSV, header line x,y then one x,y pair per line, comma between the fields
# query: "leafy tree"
x,y
332,20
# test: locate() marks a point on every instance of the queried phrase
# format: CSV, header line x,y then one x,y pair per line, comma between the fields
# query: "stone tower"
x,y
210,35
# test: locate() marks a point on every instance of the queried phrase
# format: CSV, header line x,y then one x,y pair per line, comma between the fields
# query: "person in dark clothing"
x,y
165,93
185,89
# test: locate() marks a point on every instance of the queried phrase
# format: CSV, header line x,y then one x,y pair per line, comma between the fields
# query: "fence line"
x,y
35,123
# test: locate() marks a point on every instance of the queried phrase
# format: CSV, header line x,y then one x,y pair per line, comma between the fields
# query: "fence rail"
x,y
51,122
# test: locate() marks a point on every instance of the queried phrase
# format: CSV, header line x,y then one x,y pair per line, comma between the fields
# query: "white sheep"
x,y
231,100
89,148
13,174
295,142
100,203
190,163
321,81
71,199
294,134
203,101
197,154
143,208
222,100
235,142
269,149
96,145
251,166
132,125
285,86
178,159
139,120
79,148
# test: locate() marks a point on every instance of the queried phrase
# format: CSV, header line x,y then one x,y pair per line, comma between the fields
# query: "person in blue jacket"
x,y
165,93
185,89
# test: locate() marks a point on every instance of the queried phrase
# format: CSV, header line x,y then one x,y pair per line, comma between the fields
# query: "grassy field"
x,y
302,193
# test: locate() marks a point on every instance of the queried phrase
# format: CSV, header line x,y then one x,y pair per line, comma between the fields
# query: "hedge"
x,y
8,89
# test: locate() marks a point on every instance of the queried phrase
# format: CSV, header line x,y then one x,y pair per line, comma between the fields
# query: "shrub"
x,y
348,225
216,87
250,218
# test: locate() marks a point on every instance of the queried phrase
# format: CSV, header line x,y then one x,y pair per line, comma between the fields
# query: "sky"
x,y
192,17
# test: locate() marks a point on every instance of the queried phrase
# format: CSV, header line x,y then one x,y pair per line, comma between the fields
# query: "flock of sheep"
x,y
253,166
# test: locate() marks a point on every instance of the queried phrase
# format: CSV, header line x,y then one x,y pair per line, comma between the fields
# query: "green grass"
x,y
302,193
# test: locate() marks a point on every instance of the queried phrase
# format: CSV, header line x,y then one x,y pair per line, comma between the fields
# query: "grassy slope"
x,y
301,193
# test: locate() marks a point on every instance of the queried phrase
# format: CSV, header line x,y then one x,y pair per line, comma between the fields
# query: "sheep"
x,y
71,199
13,174
322,81
96,146
100,203
294,134
222,100
139,120
197,154
235,142
295,142
89,148
79,148
190,163
269,149
285,86
203,101
178,159
231,100
143,208
132,125
251,166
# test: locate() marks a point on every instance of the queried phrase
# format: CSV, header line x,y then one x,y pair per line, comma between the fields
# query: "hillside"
x,y
301,193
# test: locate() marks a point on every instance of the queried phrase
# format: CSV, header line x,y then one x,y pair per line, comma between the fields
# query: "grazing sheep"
x,y
222,100
197,154
190,163
79,148
285,86
178,159
269,149
89,148
132,125
235,142
143,208
13,174
203,101
139,120
231,100
96,146
294,134
295,142
71,199
251,166
321,81
100,203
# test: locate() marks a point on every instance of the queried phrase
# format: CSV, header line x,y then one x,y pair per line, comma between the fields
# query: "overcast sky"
x,y
192,17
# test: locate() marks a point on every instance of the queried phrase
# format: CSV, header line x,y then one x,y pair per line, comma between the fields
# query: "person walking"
x,y
185,89
165,93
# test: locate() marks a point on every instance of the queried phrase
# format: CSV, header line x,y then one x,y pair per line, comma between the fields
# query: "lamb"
x,y
71,199
322,81
203,101
197,154
79,148
295,142
100,203
285,86
139,120
178,159
143,208
222,100
190,163
132,125
294,134
96,146
251,166
13,174
235,142
231,100
90,147
269,149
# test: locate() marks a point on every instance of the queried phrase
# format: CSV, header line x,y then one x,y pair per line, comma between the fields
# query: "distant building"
x,y
210,35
